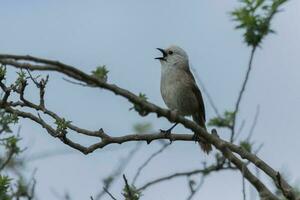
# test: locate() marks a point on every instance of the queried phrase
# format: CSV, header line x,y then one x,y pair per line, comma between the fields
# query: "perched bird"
x,y
179,89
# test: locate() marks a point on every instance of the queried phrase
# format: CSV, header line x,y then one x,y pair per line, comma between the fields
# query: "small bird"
x,y
179,89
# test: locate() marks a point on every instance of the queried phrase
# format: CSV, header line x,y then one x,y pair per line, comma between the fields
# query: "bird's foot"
x,y
196,137
167,134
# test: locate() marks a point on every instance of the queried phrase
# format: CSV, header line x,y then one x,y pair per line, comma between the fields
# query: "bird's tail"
x,y
205,146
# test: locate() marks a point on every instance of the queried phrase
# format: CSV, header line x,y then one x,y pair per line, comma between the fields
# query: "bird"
x,y
179,89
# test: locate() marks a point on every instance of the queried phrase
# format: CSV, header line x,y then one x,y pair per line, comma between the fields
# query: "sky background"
x,y
123,35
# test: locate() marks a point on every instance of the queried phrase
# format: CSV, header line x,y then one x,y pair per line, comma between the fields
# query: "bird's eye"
x,y
170,52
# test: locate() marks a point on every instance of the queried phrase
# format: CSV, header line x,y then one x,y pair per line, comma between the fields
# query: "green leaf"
x,y
7,119
225,121
4,186
254,18
22,188
11,143
138,107
131,193
101,73
62,125
142,127
2,72
21,77
246,145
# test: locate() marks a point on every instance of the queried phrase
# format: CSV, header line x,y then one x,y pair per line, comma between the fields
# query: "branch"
x,y
193,192
148,160
204,171
205,91
237,105
111,196
253,124
128,189
244,187
226,148
10,155
108,181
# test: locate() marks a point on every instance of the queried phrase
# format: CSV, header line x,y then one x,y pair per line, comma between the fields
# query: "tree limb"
x,y
225,147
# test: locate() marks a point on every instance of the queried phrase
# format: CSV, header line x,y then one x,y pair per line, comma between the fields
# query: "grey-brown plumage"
x,y
179,89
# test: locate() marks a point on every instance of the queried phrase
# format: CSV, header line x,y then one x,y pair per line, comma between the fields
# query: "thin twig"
x,y
33,79
206,92
244,186
254,123
148,160
238,133
76,83
206,171
109,180
194,192
128,188
106,190
7,160
240,96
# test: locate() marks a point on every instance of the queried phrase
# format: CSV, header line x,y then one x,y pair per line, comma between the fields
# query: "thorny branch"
x,y
229,150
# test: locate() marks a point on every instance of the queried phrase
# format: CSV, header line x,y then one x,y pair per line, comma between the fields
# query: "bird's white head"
x,y
173,57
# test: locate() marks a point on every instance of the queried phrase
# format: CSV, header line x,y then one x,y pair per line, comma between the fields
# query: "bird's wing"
x,y
197,93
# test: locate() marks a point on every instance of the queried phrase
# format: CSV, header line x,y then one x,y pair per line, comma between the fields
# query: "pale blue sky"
x,y
123,35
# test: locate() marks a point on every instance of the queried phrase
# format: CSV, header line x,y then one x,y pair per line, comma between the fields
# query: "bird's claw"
x,y
168,134
196,137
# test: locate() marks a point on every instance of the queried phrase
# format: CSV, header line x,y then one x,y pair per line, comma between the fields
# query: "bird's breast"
x,y
176,94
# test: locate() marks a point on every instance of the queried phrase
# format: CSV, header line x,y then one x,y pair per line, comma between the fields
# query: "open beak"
x,y
164,54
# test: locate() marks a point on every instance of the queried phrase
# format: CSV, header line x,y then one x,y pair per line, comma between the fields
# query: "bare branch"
x,y
193,193
253,124
108,181
76,83
148,160
237,105
205,91
10,155
106,190
244,186
204,171
238,133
